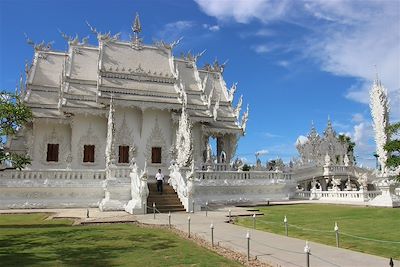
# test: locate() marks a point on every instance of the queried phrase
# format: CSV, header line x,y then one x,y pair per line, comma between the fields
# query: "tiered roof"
x,y
83,79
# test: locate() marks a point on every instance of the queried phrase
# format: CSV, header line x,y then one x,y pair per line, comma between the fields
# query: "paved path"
x,y
273,249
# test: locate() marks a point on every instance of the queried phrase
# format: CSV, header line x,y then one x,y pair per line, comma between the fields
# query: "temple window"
x,y
88,153
52,152
156,155
123,154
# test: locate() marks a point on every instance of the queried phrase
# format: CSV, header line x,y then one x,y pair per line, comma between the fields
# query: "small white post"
x,y
336,229
206,208
188,226
254,221
212,234
169,219
248,245
230,215
307,250
154,210
286,225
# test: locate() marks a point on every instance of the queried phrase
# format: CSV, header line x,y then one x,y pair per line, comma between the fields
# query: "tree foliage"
x,y
344,139
393,147
14,114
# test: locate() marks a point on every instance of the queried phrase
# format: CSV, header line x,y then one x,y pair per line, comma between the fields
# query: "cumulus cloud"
x,y
346,38
243,11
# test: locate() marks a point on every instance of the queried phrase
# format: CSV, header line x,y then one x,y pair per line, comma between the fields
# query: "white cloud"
x,y
264,33
283,63
271,135
213,28
340,125
243,11
261,152
261,49
346,38
357,117
174,30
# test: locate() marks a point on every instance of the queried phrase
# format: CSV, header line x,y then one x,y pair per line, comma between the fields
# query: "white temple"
x,y
106,117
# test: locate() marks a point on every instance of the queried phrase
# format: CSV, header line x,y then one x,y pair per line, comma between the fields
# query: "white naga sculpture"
x,y
184,139
380,115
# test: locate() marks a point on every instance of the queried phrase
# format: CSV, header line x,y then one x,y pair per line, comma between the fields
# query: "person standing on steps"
x,y
160,180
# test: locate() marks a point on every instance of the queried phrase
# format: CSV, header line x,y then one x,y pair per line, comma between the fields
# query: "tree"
x,y
14,114
392,146
344,139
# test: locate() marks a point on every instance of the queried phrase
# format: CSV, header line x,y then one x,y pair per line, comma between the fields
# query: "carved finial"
x,y
238,107
245,117
136,26
231,92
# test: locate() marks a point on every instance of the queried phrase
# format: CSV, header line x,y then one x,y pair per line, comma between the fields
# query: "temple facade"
x,y
141,90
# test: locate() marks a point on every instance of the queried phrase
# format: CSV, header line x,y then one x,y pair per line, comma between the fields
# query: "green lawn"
x,y
30,240
373,223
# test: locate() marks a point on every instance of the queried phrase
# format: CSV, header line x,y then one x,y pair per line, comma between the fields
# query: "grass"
x,y
30,240
372,223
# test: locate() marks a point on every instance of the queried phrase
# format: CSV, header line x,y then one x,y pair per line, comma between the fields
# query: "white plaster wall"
x,y
82,135
45,132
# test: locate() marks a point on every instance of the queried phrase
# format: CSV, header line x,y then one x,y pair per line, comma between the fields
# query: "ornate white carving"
x,y
110,146
245,117
184,146
231,92
89,139
380,116
53,138
216,107
238,107
156,139
124,137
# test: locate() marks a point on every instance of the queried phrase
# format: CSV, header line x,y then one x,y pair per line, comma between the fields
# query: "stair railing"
x,y
182,186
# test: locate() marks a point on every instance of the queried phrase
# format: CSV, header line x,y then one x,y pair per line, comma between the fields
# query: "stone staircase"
x,y
166,202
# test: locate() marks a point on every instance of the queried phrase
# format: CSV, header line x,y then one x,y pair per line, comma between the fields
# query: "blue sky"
x,y
294,61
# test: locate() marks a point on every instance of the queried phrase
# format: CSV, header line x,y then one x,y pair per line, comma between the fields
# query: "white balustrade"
x,y
235,175
343,196
53,174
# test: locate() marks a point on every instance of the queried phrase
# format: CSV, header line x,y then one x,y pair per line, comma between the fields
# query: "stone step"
x,y
168,201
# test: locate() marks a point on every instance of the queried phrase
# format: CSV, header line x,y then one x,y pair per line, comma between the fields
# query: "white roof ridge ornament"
x,y
106,37
39,47
73,40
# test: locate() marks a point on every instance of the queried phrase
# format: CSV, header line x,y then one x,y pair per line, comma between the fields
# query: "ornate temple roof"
x,y
83,79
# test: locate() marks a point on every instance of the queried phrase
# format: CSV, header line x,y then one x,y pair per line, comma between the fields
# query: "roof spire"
x,y
136,26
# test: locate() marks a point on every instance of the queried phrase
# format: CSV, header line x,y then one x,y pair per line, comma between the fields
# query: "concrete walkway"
x,y
273,249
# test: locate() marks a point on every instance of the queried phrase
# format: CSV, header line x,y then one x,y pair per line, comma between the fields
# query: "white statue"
x,y
346,160
327,160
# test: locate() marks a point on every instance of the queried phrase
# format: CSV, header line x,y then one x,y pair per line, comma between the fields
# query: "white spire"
x,y
380,116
